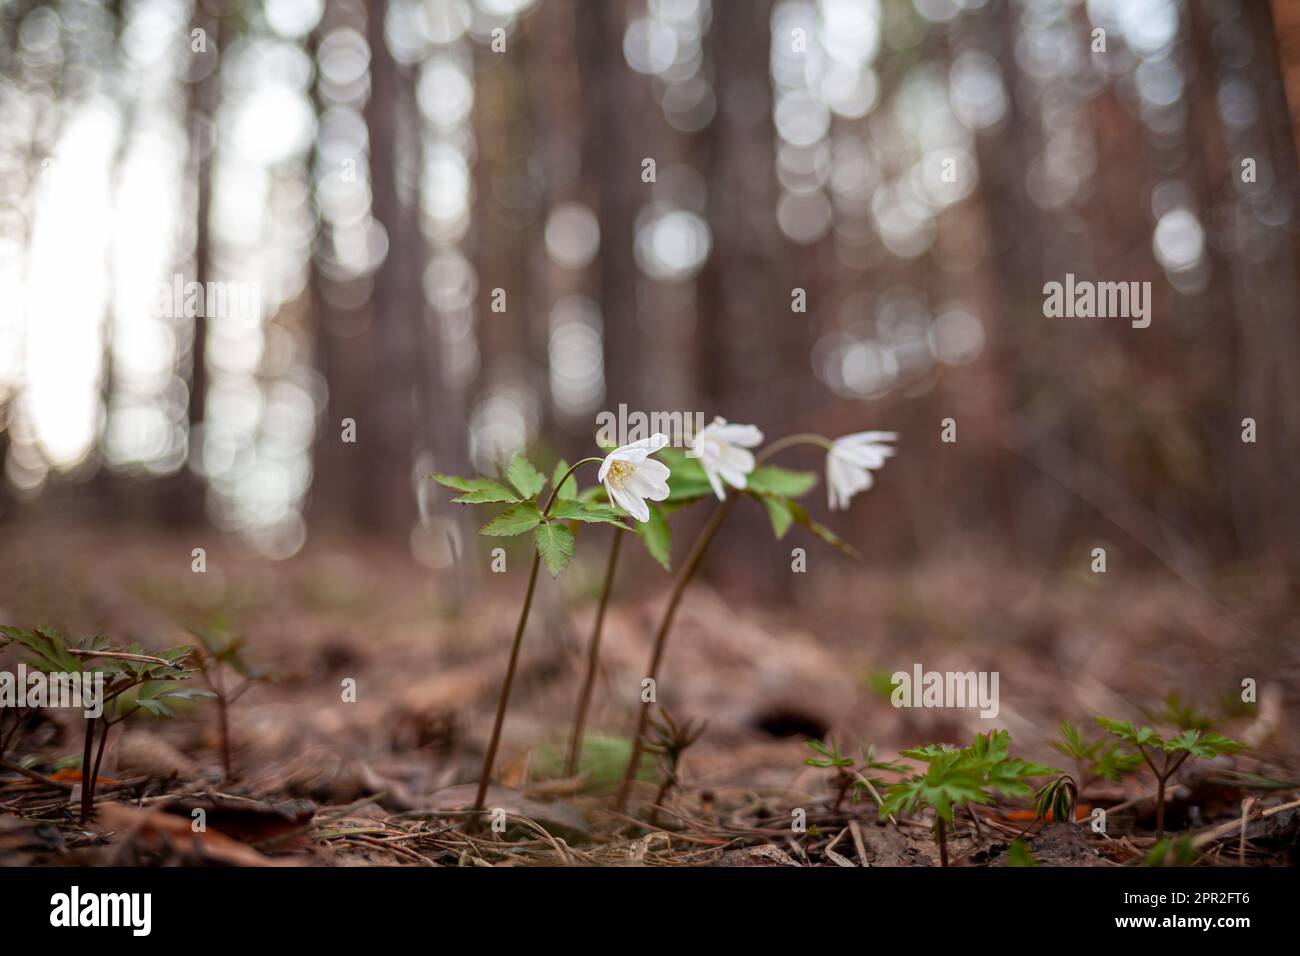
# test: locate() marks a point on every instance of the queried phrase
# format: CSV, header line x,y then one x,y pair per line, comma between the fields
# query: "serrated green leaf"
x,y
555,545
573,510
569,490
514,520
771,480
485,491
1205,746
656,536
526,479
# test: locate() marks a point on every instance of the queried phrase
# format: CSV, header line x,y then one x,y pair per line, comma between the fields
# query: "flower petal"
x,y
746,436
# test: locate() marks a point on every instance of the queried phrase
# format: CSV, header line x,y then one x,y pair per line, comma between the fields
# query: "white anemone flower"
x,y
849,464
631,476
721,448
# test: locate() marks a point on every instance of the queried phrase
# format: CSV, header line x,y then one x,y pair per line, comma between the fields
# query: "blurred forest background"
x,y
375,170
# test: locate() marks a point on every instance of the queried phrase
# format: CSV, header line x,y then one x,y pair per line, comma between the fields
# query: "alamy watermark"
x,y
36,688
1084,299
181,299
624,427
75,908
962,689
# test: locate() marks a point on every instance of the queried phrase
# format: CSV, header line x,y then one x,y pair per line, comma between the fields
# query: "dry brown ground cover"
x,y
379,781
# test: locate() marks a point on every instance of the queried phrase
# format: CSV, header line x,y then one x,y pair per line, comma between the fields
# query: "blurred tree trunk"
x,y
183,498
1265,276
752,353
386,433
616,102
1012,218
337,475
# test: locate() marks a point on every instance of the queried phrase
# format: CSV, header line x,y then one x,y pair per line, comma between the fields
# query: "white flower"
x,y
630,476
721,450
849,464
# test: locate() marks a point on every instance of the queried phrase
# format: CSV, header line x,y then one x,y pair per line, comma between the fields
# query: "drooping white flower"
x,y
721,448
631,476
849,464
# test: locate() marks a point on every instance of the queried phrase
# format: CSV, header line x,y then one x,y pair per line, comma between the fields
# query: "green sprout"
x,y
1102,759
1018,854
1164,755
848,772
961,778
670,740
219,658
1057,799
133,681
1180,852
829,758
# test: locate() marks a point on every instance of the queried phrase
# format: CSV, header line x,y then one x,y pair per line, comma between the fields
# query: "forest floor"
x,y
320,780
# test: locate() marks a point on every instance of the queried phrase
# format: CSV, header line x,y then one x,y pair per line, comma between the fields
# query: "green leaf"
x,y
656,536
454,482
555,545
1113,761
771,480
515,520
592,493
490,493
527,479
1019,855
1140,736
1203,745
778,511
476,490
826,534
574,510
569,490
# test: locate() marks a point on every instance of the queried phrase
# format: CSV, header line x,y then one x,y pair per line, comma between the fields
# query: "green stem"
x,y
490,757
99,755
593,659
684,576
789,441
87,793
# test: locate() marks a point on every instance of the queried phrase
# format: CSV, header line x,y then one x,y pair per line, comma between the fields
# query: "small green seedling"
x,y
670,740
219,658
829,758
1057,799
961,778
1180,852
132,681
1102,759
1018,854
1164,755
849,773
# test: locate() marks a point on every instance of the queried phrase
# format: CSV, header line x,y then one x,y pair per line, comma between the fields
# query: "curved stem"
x,y
555,492
593,659
789,441
661,637
490,757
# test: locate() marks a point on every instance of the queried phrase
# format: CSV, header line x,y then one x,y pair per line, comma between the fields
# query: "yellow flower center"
x,y
619,472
